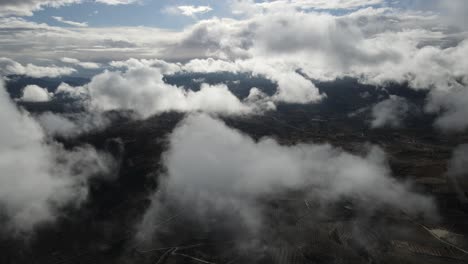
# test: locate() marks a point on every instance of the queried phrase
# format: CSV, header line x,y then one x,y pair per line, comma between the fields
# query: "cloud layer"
x,y
85,65
10,67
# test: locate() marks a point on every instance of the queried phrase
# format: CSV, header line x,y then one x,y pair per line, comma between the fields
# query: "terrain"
x,y
297,230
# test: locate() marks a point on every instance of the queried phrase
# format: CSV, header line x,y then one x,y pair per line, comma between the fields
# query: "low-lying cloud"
x,y
458,172
390,112
450,103
213,169
37,175
143,90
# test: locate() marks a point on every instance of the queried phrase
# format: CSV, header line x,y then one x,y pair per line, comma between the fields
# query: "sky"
x,y
275,39
127,47
141,13
322,39
165,13
162,13
149,26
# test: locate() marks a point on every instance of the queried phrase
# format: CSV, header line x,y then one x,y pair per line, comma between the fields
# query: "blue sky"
x,y
150,13
146,13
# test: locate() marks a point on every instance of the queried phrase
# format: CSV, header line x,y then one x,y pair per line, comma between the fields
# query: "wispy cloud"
x,y
69,22
117,2
86,65
27,7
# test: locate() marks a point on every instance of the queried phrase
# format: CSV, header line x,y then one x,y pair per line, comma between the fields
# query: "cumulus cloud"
x,y
390,112
71,23
86,65
39,176
67,90
188,10
9,67
34,93
420,55
143,90
292,86
215,169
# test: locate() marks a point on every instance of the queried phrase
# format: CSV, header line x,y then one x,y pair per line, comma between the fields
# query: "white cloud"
x,y
450,103
71,23
117,2
24,41
390,112
143,90
27,7
318,4
250,7
86,65
292,86
163,66
57,125
9,66
71,124
37,175
215,169
34,93
188,10
452,12
80,92
323,46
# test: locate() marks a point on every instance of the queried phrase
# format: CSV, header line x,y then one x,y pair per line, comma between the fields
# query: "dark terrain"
x,y
102,230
